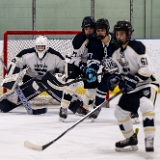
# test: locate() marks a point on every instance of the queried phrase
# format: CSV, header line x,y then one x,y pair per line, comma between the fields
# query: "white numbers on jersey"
x,y
90,55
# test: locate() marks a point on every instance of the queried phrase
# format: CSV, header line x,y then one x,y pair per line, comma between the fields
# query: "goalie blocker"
x,y
33,88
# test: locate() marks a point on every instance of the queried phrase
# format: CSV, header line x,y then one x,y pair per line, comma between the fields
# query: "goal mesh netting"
x,y
15,41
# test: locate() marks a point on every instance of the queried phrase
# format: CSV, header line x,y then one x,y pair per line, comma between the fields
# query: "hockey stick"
x,y
23,99
32,146
57,84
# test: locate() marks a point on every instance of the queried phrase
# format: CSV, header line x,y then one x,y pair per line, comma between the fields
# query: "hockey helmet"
x,y
103,23
124,26
88,21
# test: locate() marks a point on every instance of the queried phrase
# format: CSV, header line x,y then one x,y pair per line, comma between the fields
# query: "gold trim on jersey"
x,y
127,132
65,101
150,114
126,120
69,91
149,129
153,95
144,74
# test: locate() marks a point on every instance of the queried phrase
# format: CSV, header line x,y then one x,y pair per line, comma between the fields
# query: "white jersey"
x,y
134,60
50,62
79,50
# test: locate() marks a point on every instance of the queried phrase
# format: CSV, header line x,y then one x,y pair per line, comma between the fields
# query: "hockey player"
x,y
100,51
138,84
75,66
41,62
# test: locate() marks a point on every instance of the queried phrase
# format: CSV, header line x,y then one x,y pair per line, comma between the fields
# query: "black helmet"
x,y
103,23
124,26
88,22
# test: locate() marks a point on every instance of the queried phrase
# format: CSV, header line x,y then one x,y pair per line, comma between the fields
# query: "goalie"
x,y
40,63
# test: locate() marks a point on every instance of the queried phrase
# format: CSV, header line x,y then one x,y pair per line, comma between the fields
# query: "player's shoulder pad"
x,y
25,51
138,47
78,40
52,51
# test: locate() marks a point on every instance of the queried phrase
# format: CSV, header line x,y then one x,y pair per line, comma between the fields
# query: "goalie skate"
x,y
129,144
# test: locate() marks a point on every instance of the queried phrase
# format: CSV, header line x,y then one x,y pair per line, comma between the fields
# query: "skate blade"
x,y
61,119
127,149
149,155
79,115
93,119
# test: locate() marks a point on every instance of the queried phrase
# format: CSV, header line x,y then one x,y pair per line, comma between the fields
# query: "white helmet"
x,y
41,45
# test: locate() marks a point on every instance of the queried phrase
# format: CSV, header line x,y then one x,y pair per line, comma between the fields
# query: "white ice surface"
x,y
87,141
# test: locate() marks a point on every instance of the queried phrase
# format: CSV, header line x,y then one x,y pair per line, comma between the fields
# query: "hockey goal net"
x,y
15,41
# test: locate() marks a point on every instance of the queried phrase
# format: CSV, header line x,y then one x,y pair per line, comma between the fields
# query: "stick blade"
x,y
39,111
32,146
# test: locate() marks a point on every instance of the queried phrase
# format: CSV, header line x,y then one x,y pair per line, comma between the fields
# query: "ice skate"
x,y
149,144
129,144
95,114
63,113
134,117
81,111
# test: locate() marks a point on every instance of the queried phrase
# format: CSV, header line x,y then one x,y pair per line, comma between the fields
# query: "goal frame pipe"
x,y
30,32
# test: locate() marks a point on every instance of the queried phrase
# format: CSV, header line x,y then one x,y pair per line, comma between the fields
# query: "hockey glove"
x,y
82,67
109,64
91,75
113,81
128,84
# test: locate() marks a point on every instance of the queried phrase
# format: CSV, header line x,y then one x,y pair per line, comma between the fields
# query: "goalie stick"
x,y
23,99
32,146
57,84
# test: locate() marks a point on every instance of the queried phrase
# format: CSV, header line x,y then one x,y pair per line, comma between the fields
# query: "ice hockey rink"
x,y
87,141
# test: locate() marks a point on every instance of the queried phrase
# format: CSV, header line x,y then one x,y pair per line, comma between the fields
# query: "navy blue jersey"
x,y
98,51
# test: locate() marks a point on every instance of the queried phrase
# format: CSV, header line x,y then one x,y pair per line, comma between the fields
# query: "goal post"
x,y
15,34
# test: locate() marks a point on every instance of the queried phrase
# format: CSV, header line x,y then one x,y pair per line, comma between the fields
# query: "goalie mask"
x,y
123,26
41,46
102,23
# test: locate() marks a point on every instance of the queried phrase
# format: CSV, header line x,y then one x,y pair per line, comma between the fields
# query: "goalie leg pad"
x,y
89,97
54,92
11,100
31,89
6,106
